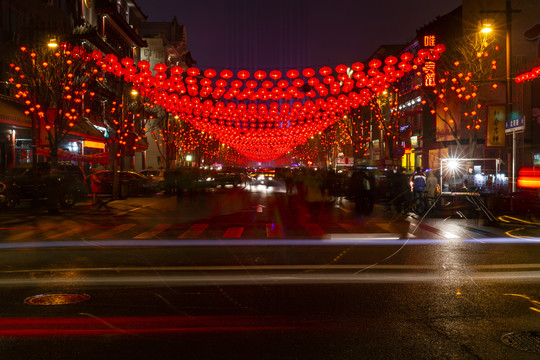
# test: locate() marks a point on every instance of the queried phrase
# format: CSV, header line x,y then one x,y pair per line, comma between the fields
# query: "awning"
x,y
100,158
12,113
85,129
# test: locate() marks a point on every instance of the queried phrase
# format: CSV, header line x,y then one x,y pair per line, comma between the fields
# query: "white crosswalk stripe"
x,y
111,233
154,232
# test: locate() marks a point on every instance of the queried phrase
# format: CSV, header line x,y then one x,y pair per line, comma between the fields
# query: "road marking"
x,y
233,232
388,227
63,234
315,230
445,234
432,267
23,235
115,230
154,232
194,231
201,278
274,230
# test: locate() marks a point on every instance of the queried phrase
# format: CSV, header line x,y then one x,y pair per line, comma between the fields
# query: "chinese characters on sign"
x,y
429,73
495,125
429,41
515,125
429,66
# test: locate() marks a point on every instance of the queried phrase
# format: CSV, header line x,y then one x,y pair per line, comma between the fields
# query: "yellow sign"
x,y
429,41
94,144
495,125
429,74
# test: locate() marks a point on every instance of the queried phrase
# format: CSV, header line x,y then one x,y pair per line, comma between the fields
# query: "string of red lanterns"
x,y
264,115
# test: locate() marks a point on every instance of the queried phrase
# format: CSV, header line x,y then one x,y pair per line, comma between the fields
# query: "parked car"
x,y
157,177
21,183
131,183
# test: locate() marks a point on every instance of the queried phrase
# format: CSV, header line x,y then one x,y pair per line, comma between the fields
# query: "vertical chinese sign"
x,y
429,66
495,125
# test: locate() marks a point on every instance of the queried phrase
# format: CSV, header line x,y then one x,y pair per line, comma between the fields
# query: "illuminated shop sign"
x,y
429,66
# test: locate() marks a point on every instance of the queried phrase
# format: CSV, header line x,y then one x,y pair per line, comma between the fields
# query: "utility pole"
x,y
508,11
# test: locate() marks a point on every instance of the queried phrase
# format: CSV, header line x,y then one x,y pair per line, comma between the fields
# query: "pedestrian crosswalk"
x,y
190,231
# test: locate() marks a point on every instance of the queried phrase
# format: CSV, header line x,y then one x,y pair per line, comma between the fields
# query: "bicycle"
x,y
419,204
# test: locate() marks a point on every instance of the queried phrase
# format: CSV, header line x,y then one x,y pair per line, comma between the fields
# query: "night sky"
x,y
281,34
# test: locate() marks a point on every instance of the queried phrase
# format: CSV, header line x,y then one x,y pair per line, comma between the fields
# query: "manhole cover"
x,y
56,299
524,340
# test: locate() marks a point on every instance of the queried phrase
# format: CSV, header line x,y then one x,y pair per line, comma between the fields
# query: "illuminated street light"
x,y
486,26
53,44
134,92
453,165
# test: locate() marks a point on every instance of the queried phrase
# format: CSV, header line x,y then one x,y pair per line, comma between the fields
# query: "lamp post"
x,y
487,27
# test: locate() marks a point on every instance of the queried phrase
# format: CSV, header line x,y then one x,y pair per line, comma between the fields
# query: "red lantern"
x,y
143,64
325,71
292,74
236,84
375,63
391,60
439,48
308,72
251,83
406,56
275,74
159,67
357,66
221,83
260,75
267,84
226,74
243,74
192,71
127,62
210,73
283,83
341,69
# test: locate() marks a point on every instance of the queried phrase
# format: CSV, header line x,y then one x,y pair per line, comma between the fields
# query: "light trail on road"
x,y
383,240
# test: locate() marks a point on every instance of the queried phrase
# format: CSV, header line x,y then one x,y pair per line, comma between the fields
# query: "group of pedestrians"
x,y
407,189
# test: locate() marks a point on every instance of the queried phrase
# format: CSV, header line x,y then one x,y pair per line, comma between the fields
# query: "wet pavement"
x,y
256,273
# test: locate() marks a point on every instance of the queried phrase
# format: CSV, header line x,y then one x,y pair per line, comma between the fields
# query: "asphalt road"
x,y
254,273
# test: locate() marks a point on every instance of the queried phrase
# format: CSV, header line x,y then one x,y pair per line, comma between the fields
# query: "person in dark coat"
x,y
402,190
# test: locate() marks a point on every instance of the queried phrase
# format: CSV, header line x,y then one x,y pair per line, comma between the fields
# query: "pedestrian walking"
x,y
95,186
402,190
432,184
419,183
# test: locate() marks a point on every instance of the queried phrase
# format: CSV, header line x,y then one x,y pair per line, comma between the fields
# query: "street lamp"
x,y
508,101
486,26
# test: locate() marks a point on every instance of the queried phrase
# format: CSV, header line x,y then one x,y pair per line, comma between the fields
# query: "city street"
x,y
256,271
